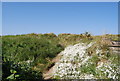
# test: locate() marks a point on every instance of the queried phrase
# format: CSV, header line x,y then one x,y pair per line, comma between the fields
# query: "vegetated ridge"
x,y
31,56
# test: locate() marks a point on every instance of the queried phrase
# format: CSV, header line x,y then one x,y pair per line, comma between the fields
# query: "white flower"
x,y
73,57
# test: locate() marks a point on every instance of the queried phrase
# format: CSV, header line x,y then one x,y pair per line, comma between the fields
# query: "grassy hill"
x,y
27,56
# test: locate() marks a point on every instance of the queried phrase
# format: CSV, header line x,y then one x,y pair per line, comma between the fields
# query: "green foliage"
x,y
29,48
94,59
14,71
23,52
89,68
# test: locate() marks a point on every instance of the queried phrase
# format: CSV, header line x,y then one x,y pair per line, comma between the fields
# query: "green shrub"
x,y
13,72
22,53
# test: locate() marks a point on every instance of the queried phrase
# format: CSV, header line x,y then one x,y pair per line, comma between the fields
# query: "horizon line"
x,y
58,34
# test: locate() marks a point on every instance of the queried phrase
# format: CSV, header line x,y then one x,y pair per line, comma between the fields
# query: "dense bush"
x,y
13,72
27,50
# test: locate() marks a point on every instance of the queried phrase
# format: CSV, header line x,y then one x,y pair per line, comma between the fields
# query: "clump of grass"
x,y
89,69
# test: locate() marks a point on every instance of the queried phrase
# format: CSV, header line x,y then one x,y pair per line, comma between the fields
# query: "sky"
x,y
60,0
59,17
0,18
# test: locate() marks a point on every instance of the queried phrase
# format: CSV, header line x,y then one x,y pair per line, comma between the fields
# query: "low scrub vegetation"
x,y
28,50
27,56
